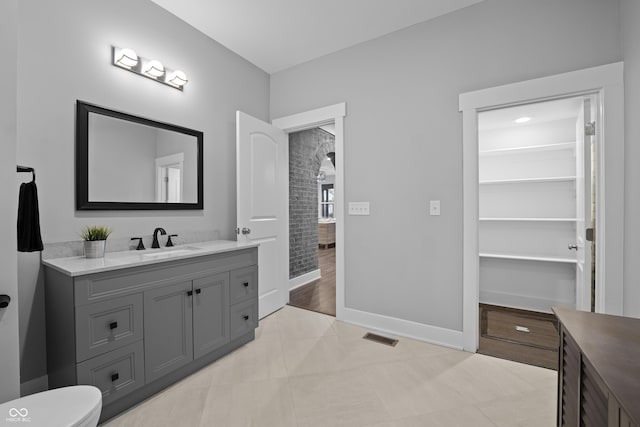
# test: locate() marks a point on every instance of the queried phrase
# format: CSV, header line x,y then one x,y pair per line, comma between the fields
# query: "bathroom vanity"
x,y
134,322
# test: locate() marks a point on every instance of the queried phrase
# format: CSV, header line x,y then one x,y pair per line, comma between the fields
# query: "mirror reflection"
x,y
132,162
126,162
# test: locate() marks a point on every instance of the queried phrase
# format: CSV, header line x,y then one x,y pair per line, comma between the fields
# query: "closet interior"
x,y
532,182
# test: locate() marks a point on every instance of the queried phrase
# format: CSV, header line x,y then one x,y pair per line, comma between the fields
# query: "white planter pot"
x,y
94,248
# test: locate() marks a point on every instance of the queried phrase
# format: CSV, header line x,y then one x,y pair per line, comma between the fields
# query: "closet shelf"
x,y
529,219
528,258
529,180
529,149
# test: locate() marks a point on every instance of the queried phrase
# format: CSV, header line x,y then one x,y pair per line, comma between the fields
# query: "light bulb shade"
x,y
126,58
178,78
154,69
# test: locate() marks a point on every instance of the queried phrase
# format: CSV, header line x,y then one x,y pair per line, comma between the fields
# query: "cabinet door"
x,y
168,339
210,313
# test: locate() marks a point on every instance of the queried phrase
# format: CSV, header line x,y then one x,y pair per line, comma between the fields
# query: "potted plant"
x,y
95,239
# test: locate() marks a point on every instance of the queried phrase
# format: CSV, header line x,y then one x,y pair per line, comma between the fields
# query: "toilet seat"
x,y
75,406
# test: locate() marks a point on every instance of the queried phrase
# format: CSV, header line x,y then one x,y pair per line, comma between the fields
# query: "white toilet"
x,y
74,406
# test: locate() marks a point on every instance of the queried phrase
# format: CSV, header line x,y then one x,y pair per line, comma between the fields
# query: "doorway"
x,y
312,221
314,118
606,82
535,176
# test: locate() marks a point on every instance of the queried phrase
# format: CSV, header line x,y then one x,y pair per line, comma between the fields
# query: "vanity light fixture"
x,y
152,69
125,58
178,78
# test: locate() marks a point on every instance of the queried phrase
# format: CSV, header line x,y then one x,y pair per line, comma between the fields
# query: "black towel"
x,y
29,239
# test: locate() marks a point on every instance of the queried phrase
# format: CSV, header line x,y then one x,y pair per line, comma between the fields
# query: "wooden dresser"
x,y
599,372
520,335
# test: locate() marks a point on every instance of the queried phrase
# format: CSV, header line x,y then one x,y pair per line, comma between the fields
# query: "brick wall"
x,y
307,149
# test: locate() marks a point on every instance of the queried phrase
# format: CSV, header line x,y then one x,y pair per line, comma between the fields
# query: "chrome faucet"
x,y
155,243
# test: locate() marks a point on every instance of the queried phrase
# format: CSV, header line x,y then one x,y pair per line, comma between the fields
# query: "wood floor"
x,y
319,295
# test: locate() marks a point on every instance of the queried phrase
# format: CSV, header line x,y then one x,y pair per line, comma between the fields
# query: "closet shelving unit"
x,y
527,220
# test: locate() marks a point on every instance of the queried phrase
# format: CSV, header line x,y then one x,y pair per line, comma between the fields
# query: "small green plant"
x,y
95,232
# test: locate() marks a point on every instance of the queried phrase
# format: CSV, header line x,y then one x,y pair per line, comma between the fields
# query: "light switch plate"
x,y
358,208
434,207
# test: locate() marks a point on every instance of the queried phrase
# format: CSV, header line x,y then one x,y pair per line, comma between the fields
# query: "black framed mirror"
x,y
126,162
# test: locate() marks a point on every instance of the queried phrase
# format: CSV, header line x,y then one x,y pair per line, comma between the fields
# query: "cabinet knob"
x,y
245,284
245,317
573,246
198,291
189,293
114,377
113,325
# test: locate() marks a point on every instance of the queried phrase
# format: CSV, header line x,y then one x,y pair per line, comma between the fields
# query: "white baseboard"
x,y
35,385
404,328
304,279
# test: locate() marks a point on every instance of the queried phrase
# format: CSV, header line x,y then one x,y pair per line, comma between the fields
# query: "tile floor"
x,y
307,369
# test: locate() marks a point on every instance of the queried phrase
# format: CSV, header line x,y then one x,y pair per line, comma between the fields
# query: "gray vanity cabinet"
x,y
184,321
132,331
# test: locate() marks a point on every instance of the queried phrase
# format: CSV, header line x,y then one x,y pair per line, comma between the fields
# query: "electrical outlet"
x,y
358,208
434,207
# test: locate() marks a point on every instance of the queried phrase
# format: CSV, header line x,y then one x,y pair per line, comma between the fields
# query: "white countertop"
x,y
79,265
326,220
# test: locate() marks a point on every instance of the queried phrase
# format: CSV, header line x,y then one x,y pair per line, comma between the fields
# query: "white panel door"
x,y
583,208
262,179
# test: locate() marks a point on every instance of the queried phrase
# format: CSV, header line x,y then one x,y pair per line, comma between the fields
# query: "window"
x,y
326,201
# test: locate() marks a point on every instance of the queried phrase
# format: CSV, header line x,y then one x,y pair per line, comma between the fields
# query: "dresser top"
x,y
611,344
79,265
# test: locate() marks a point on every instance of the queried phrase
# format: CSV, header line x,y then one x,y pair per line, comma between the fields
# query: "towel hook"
x,y
27,169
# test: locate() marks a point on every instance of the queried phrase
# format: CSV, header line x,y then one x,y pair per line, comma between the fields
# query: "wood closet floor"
x,y
319,295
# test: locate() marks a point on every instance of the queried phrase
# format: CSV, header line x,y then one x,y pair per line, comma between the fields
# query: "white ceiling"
x,y
278,34
538,112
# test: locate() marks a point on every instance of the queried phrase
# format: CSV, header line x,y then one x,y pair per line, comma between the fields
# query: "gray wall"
x,y
64,55
630,13
9,361
402,121
307,149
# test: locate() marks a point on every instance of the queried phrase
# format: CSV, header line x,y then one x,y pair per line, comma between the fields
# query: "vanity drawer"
x,y
519,326
243,284
107,325
243,318
116,373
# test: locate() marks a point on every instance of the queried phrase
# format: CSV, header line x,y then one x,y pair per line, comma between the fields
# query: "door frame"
x,y
312,119
607,82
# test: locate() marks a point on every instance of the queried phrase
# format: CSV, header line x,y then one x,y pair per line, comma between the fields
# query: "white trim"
x,y
404,328
311,119
607,82
35,385
304,279
307,120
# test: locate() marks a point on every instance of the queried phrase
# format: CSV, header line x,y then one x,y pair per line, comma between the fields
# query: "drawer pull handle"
x,y
522,329
198,291
113,325
189,293
245,284
245,317
114,377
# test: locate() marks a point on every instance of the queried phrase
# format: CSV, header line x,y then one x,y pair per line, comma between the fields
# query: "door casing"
x,y
607,82
308,120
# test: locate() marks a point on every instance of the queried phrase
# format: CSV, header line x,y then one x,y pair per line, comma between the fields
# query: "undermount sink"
x,y
167,253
